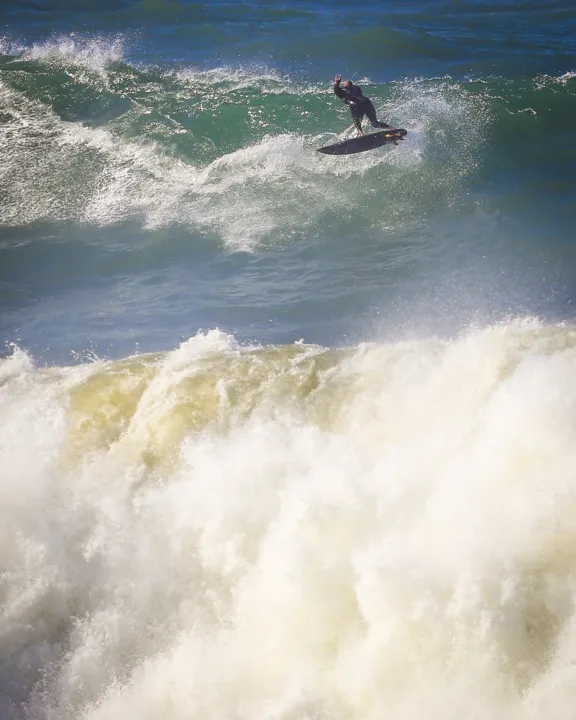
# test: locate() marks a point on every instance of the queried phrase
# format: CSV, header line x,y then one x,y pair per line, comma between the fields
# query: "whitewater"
x,y
292,532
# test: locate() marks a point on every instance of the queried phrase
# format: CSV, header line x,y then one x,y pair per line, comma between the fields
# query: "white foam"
x,y
232,79
402,531
276,185
91,52
9,46
565,77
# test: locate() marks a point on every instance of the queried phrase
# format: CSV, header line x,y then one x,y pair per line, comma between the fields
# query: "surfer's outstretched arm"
x,y
338,90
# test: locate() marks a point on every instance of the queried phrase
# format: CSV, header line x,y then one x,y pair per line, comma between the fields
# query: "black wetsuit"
x,y
359,105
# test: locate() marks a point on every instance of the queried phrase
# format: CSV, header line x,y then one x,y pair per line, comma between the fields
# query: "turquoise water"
x,y
285,435
160,174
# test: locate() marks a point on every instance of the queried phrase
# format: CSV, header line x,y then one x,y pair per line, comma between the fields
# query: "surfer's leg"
x,y
358,122
371,114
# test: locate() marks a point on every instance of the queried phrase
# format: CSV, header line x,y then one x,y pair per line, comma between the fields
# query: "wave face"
x,y
88,137
292,531
228,152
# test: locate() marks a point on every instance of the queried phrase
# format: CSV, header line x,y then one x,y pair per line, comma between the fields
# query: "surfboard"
x,y
364,142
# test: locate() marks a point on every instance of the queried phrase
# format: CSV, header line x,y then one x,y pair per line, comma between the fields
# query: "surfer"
x,y
358,103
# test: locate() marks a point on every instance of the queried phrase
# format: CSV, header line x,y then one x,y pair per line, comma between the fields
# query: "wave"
x,y
291,530
230,152
107,142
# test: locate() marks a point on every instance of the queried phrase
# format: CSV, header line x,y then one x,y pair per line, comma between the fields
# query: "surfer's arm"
x,y
339,92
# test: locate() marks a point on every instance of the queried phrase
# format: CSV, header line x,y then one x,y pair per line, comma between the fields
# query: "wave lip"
x,y
75,50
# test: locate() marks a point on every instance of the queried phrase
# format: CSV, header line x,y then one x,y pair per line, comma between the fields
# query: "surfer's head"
x,y
348,84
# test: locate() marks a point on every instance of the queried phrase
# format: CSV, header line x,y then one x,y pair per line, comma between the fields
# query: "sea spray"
x,y
292,531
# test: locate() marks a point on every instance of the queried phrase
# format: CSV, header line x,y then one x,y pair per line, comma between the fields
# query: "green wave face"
x,y
231,153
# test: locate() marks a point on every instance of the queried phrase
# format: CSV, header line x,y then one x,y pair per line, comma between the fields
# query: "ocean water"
x,y
286,436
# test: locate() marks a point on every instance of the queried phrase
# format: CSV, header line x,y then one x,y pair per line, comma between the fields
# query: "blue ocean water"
x,y
286,435
159,172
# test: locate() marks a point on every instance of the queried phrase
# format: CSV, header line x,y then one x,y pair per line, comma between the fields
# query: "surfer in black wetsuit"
x,y
358,103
